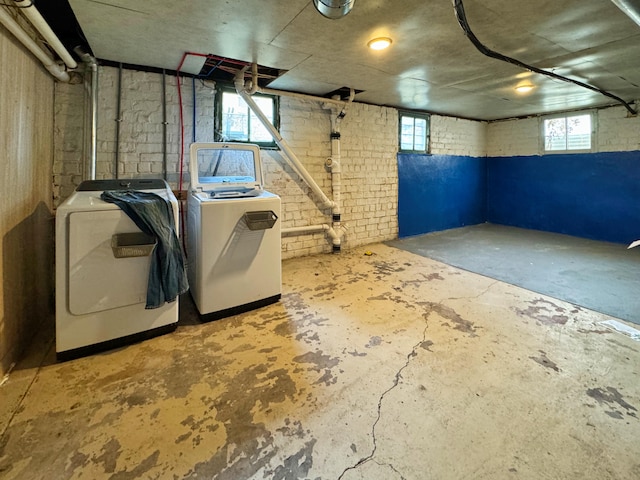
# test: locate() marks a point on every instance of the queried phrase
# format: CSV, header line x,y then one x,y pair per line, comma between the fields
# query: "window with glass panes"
x,y
414,132
567,133
235,122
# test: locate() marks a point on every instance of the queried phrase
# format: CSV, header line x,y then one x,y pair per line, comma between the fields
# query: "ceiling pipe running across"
x,y
630,7
54,68
334,9
41,25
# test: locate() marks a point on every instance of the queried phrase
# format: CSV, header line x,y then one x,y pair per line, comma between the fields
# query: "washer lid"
x,y
226,169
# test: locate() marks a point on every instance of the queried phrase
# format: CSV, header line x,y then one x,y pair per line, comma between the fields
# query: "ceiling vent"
x,y
334,8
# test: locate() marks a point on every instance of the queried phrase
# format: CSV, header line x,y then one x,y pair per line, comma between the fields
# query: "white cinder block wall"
x,y
369,146
615,131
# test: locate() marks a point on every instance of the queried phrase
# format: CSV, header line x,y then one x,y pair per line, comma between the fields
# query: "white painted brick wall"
x,y
140,142
513,137
457,136
369,146
616,131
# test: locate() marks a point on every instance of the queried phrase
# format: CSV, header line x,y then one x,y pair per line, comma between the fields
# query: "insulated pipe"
x,y
10,24
92,63
630,7
40,24
290,156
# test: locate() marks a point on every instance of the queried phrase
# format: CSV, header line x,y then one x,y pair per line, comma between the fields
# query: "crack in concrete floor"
x,y
489,410
396,381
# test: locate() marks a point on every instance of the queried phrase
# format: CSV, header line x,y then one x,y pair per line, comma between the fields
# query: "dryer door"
x,y
97,279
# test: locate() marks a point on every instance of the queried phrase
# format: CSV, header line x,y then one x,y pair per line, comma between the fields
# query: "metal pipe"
x,y
10,24
92,64
631,8
193,90
40,24
164,124
118,121
290,155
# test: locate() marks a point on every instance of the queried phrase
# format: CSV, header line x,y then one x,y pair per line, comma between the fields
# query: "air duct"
x,y
334,9
630,7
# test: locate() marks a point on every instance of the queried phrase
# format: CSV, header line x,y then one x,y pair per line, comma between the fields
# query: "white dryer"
x,y
233,231
102,270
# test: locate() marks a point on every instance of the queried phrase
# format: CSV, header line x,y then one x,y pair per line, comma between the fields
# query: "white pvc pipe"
x,y
10,24
302,96
306,229
290,155
32,13
336,233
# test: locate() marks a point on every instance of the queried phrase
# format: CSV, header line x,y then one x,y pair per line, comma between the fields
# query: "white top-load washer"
x,y
102,272
233,231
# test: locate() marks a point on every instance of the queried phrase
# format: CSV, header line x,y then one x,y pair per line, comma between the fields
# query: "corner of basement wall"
x,y
588,195
26,219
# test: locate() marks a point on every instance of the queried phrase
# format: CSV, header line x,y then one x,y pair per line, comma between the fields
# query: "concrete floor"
x,y
600,276
389,366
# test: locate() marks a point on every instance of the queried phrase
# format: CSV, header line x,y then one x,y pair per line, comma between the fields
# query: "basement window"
x,y
568,133
414,132
235,122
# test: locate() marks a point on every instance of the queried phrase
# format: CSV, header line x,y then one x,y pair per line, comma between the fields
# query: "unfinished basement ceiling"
x,y
431,65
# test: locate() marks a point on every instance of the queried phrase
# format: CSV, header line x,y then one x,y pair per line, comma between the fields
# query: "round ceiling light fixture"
x,y
334,9
379,43
524,88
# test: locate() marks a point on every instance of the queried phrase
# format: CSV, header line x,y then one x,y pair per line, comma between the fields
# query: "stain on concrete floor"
x,y
391,366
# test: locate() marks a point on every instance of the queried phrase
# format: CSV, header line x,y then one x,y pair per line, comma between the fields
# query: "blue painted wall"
x,y
592,195
438,192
